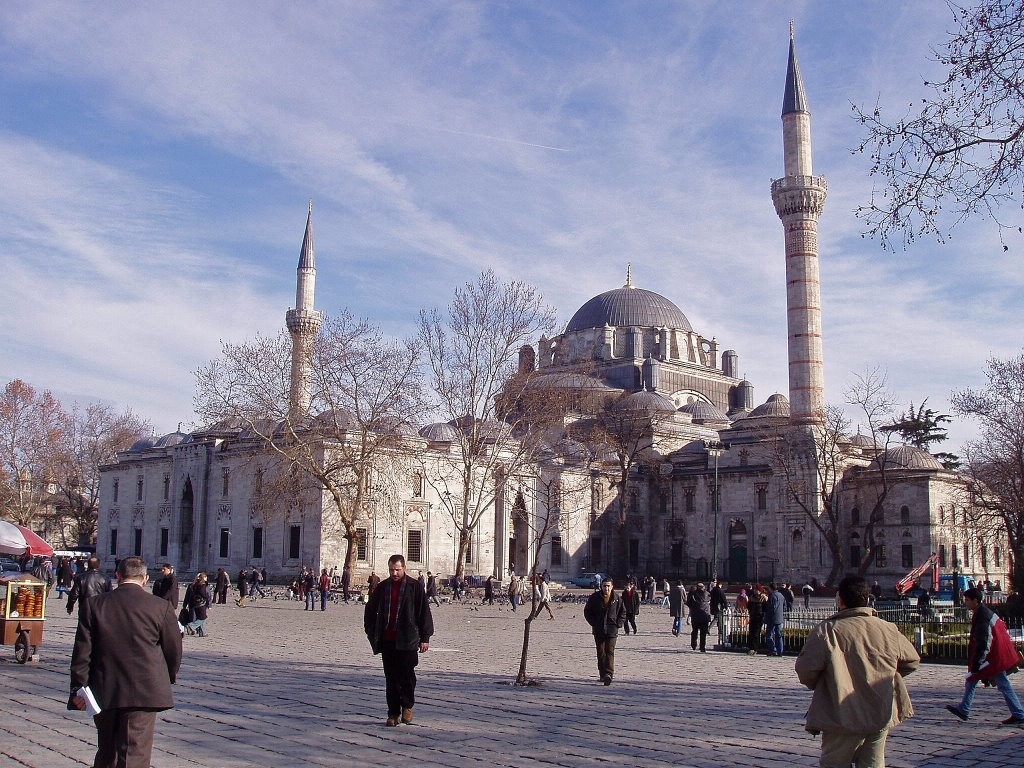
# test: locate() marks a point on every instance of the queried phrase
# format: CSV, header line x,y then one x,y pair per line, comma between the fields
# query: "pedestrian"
x,y
605,614
309,589
742,600
488,591
346,583
719,603
631,603
166,585
398,624
807,590
127,652
787,596
221,585
542,594
991,654
432,589
924,604
87,585
876,592
243,588
65,577
372,581
256,578
699,603
774,618
855,663
676,607
755,619
196,605
513,592
325,588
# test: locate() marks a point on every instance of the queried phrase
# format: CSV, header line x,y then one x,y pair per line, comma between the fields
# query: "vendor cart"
x,y
22,614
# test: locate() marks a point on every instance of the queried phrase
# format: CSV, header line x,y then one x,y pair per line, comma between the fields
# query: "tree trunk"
x,y
521,677
460,566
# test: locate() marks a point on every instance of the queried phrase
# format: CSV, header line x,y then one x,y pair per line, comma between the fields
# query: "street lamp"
x,y
715,449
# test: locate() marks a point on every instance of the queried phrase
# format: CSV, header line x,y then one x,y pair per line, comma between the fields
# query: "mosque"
x,y
708,495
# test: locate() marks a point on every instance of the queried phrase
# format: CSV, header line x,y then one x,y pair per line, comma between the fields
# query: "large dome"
x,y
629,306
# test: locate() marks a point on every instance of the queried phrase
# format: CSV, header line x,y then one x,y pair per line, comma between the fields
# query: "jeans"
x,y
323,599
1005,687
775,645
310,599
677,623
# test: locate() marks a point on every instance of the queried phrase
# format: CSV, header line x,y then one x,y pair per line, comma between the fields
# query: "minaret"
x,y
303,324
799,198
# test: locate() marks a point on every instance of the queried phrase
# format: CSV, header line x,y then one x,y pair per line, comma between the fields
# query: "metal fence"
x,y
939,634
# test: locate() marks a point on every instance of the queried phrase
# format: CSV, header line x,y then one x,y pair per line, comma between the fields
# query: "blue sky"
x,y
157,160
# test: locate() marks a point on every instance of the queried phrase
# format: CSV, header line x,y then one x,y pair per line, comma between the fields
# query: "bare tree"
x,y
995,460
962,153
471,351
364,391
30,432
90,436
562,493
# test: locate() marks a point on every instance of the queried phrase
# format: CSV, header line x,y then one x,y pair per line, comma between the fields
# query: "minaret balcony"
x,y
800,182
304,321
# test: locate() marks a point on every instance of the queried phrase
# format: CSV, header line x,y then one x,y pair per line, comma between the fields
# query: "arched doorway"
x,y
519,541
737,551
187,518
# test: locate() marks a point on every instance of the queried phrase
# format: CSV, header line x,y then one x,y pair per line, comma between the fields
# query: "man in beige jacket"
x,y
855,663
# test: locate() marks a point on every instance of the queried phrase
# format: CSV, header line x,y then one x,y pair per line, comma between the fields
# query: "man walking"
x,y
990,655
432,589
542,594
221,585
605,614
855,663
167,585
87,585
774,618
398,624
513,591
699,604
676,607
127,651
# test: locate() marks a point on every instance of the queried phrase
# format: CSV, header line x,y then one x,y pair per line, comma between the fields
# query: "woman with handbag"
x,y
195,606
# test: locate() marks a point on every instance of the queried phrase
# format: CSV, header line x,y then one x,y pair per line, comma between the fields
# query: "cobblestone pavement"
x,y
275,685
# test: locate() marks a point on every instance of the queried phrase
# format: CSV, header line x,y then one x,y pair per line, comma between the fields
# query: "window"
x,y
113,541
984,557
294,539
469,551
224,539
663,503
904,515
634,553
165,538
998,556
762,498
908,556
942,555
257,483
360,544
556,550
137,543
883,556
854,555
677,554
414,546
417,486
167,488
226,483
855,516
117,488
595,552
257,543
942,514
138,489
967,555
956,560
688,500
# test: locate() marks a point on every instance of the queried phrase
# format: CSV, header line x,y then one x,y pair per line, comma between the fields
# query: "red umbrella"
x,y
15,539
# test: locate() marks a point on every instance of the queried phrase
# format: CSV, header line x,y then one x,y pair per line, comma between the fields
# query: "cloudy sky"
x,y
157,160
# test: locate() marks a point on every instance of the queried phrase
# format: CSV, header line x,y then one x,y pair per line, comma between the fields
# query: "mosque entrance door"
x,y
737,551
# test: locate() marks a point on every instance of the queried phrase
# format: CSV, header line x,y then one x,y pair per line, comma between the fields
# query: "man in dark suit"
x,y
166,586
129,673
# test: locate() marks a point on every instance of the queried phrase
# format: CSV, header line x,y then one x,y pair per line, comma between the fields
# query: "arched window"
x,y
904,515
855,516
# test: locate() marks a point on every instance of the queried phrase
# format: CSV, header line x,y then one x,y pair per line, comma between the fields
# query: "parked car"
x,y
8,564
589,580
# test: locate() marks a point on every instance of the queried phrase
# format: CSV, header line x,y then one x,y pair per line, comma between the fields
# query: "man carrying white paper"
x,y
128,672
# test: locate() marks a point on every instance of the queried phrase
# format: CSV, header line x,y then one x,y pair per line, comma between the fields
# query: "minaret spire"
x,y
303,324
799,199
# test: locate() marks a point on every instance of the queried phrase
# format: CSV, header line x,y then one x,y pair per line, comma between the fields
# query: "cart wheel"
x,y
21,647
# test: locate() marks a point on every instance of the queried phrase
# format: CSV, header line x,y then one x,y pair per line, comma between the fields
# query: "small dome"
x,y
393,426
335,418
776,406
439,433
645,400
862,441
909,457
566,381
143,444
701,412
174,438
628,306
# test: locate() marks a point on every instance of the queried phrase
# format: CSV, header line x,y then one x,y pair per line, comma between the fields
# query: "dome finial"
x,y
629,275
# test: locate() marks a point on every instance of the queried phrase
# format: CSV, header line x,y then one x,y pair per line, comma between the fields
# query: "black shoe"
x,y
1012,720
608,680
956,711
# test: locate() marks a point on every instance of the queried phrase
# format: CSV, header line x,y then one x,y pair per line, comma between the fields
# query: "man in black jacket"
x,y
605,614
167,585
398,624
127,651
86,585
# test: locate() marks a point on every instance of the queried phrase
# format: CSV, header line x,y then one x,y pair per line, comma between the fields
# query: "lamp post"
x,y
715,449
